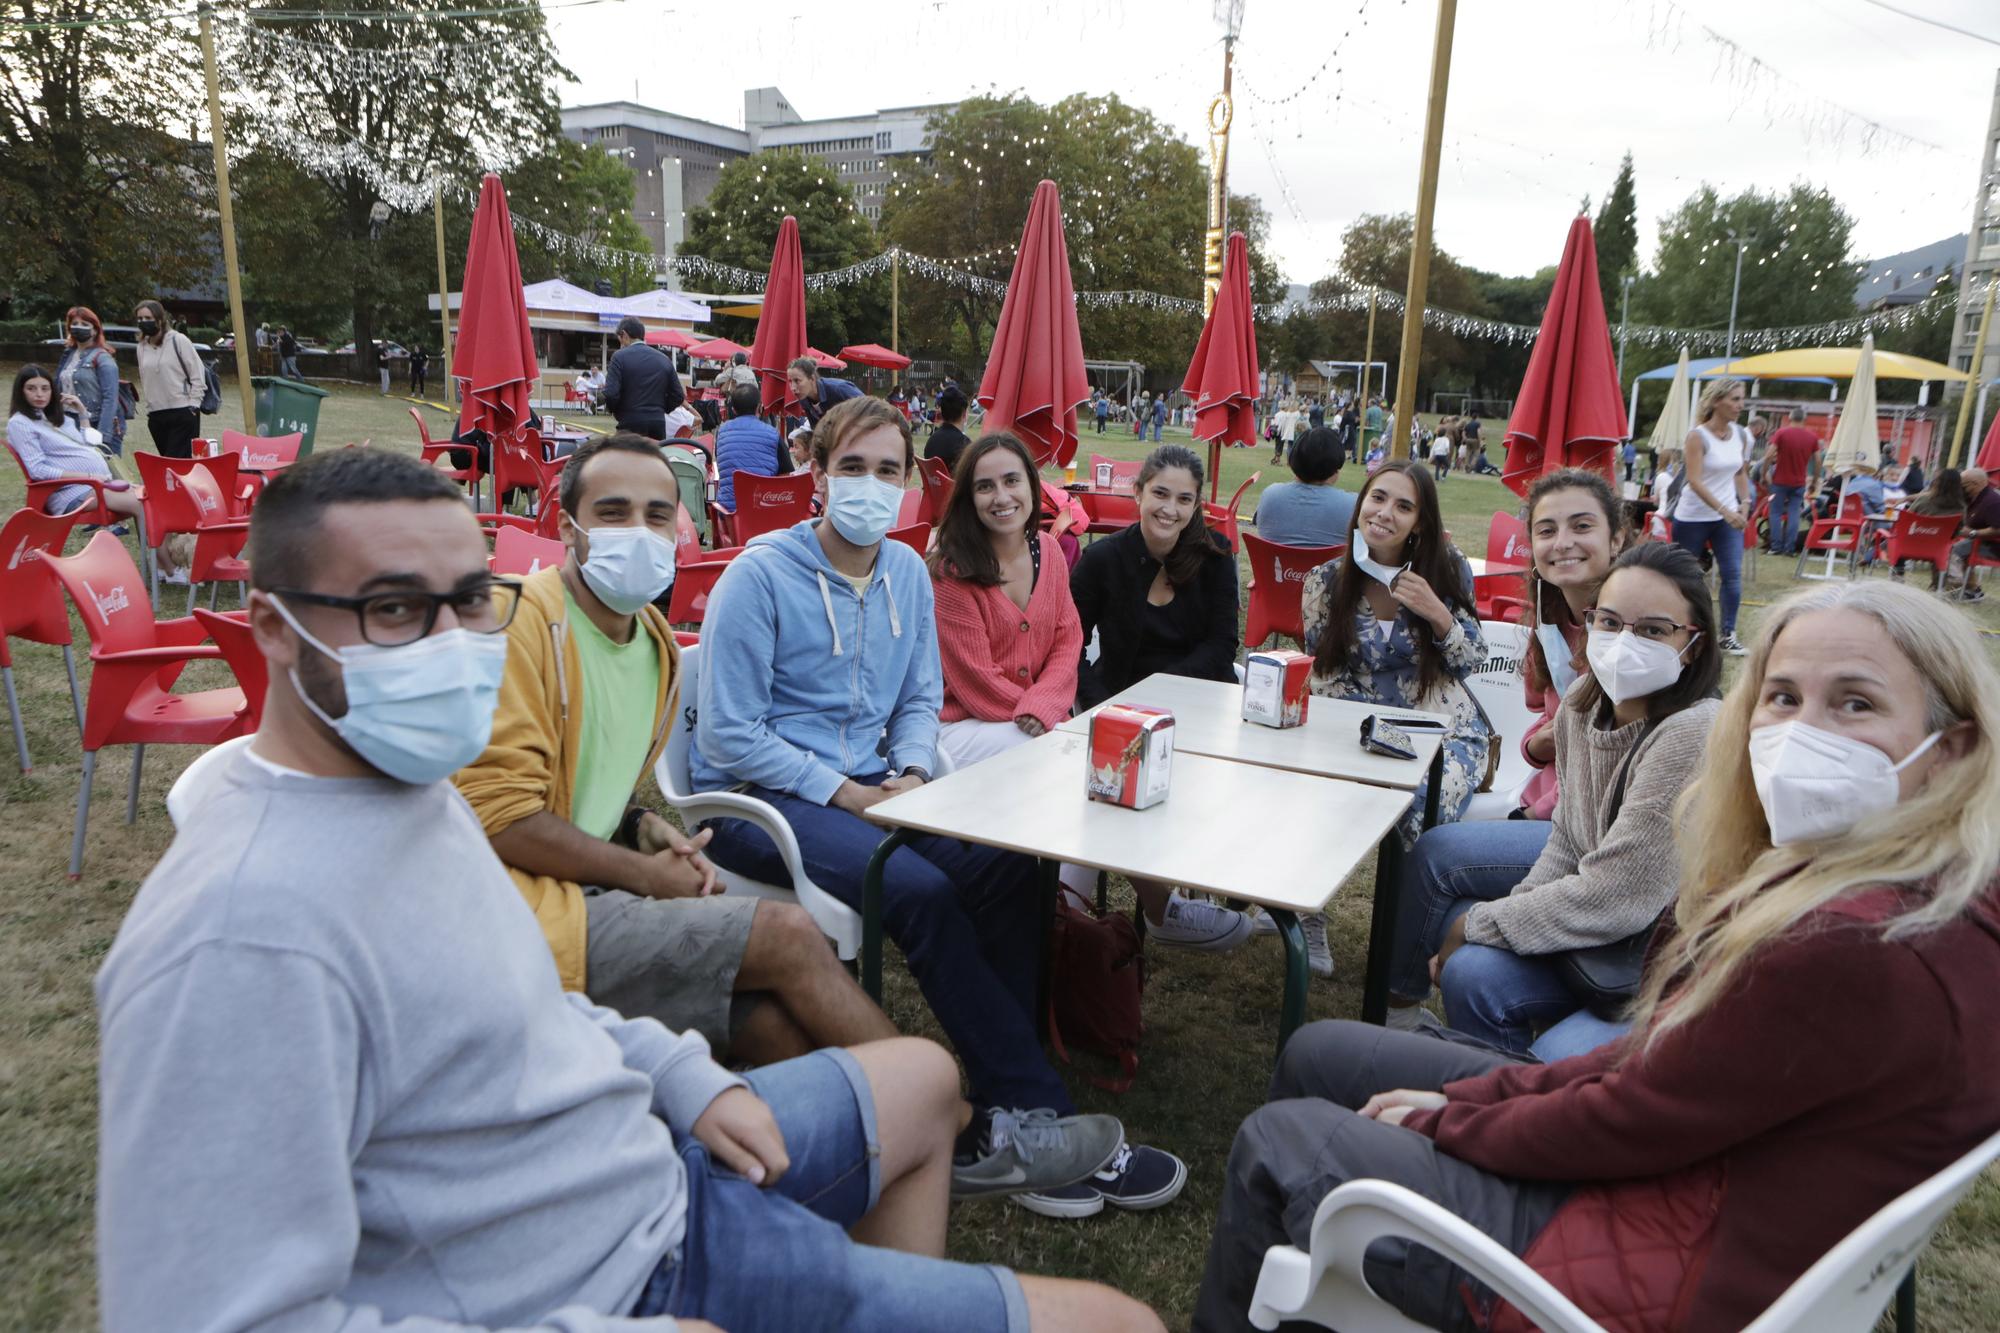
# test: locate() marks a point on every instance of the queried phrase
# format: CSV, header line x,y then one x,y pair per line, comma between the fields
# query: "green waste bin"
x,y
286,406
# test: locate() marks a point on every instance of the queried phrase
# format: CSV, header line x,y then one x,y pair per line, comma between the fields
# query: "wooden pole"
x,y
895,286
1420,241
1958,443
1367,373
228,216
444,286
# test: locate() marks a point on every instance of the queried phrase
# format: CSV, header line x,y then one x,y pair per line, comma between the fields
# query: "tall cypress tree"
x,y
1617,237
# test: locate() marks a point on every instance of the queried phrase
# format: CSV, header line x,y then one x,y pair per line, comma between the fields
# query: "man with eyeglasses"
x,y
342,1085
628,902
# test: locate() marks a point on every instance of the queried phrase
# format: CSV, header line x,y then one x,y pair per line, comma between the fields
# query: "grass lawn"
x,y
1209,1044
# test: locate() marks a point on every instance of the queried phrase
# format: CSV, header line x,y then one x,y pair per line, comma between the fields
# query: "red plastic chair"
x,y
93,510
134,663
1109,512
516,552
1923,537
694,582
31,607
198,497
1224,518
1840,534
914,509
1503,596
765,504
263,453
917,537
231,632
1124,471
935,478
467,475
1277,578
688,549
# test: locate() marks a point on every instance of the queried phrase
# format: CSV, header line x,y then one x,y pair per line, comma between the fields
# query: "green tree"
x,y
739,225
1617,232
101,202
1134,200
1928,334
1796,272
1375,251
584,192
422,89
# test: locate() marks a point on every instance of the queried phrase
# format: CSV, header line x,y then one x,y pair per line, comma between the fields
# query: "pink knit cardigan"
x,y
1001,662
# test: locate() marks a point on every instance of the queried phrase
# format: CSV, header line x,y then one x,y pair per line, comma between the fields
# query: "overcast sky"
x,y
1545,96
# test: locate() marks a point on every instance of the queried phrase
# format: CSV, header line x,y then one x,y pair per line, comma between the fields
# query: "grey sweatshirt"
x,y
1605,874
342,1088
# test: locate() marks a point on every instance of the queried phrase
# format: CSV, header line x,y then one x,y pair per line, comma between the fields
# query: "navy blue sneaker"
x,y
1135,1179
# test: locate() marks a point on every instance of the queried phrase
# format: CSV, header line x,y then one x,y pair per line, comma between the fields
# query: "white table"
x,y
1031,799
1208,720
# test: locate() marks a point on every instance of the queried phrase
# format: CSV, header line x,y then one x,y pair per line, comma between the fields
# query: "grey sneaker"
x,y
1191,923
1318,957
1029,1151
1410,1018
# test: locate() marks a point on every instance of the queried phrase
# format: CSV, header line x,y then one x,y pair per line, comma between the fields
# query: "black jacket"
x,y
946,442
1109,587
640,387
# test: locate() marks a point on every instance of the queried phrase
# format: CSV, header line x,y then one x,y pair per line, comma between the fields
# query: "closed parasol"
x,y
1569,412
1034,371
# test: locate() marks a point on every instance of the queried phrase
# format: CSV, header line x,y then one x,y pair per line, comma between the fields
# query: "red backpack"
x,y
1098,980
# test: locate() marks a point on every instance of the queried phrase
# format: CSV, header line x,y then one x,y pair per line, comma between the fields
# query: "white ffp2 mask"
x,y
1814,784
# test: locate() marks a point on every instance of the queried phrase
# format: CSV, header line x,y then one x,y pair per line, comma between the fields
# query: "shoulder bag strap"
x,y
1625,769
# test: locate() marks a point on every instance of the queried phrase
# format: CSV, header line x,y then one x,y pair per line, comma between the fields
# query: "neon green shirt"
x,y
621,682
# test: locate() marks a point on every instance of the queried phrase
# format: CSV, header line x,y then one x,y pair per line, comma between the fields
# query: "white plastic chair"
x,y
1845,1292
839,922
190,789
1497,687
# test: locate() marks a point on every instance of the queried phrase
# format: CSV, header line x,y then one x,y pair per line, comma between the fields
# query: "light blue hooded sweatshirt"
x,y
805,682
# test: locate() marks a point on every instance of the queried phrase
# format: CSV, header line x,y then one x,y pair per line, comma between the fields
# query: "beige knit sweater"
x,y
1604,874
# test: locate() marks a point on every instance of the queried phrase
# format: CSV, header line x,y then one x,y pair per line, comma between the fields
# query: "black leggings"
x,y
173,430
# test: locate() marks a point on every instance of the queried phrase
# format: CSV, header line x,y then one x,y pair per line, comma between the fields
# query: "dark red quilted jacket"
x,y
1715,1168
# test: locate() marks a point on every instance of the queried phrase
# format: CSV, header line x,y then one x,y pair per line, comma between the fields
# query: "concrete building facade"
x,y
676,158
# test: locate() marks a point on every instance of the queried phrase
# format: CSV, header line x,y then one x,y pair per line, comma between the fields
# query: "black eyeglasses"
x,y
1646,627
392,619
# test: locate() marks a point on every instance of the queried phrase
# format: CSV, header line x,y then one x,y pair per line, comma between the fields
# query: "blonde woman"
x,y
1815,1034
1714,501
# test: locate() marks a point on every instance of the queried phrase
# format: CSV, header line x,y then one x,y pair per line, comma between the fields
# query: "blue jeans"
x,y
967,919
1786,502
1581,1032
1452,867
1505,998
1156,432
755,1259
1692,535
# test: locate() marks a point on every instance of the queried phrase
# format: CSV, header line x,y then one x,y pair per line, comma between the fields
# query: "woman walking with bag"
x,y
87,379
171,382
1535,930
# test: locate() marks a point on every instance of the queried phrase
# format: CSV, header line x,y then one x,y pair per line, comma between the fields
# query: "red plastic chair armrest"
x,y
157,656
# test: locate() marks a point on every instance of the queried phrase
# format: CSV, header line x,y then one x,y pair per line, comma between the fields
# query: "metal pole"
x,y
1221,112
1624,322
895,285
444,286
1958,443
1735,290
1367,373
228,216
1420,240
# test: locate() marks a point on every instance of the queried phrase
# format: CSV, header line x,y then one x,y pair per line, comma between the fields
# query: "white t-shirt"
x,y
1721,459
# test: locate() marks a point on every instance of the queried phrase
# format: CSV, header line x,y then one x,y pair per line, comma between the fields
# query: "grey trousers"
x,y
1307,1141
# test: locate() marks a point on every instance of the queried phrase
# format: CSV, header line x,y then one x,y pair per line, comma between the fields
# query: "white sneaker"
x,y
1318,957
1191,923
1263,923
177,577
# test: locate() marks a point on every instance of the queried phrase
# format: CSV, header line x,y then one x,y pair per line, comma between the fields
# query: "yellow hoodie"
x,y
529,765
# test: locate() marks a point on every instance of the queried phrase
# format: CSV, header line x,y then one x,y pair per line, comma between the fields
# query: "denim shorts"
x,y
774,1260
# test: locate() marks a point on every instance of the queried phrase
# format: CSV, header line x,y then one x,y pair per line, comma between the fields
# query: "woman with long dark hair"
x,y
50,446
87,378
1161,597
171,381
1008,633
1491,910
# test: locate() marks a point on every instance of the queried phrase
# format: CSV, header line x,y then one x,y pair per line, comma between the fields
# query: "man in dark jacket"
x,y
948,439
816,392
640,386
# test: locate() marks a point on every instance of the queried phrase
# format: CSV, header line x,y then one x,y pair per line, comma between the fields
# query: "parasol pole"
x,y
1367,373
1221,111
1958,443
228,219
444,285
1420,239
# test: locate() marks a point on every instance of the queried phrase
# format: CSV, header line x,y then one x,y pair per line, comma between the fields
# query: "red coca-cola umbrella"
x,y
1222,379
876,355
494,358
825,360
1034,371
680,338
1569,412
781,324
716,349
1989,448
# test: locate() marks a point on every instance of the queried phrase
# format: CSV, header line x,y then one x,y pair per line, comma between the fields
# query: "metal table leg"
x,y
1293,1011
871,914
1906,1302
1047,885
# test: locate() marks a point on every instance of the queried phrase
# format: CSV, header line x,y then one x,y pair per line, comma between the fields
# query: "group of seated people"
x,y
329,1033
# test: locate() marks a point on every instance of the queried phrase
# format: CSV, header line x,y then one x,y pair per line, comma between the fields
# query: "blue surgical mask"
x,y
628,567
862,509
1556,652
420,711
